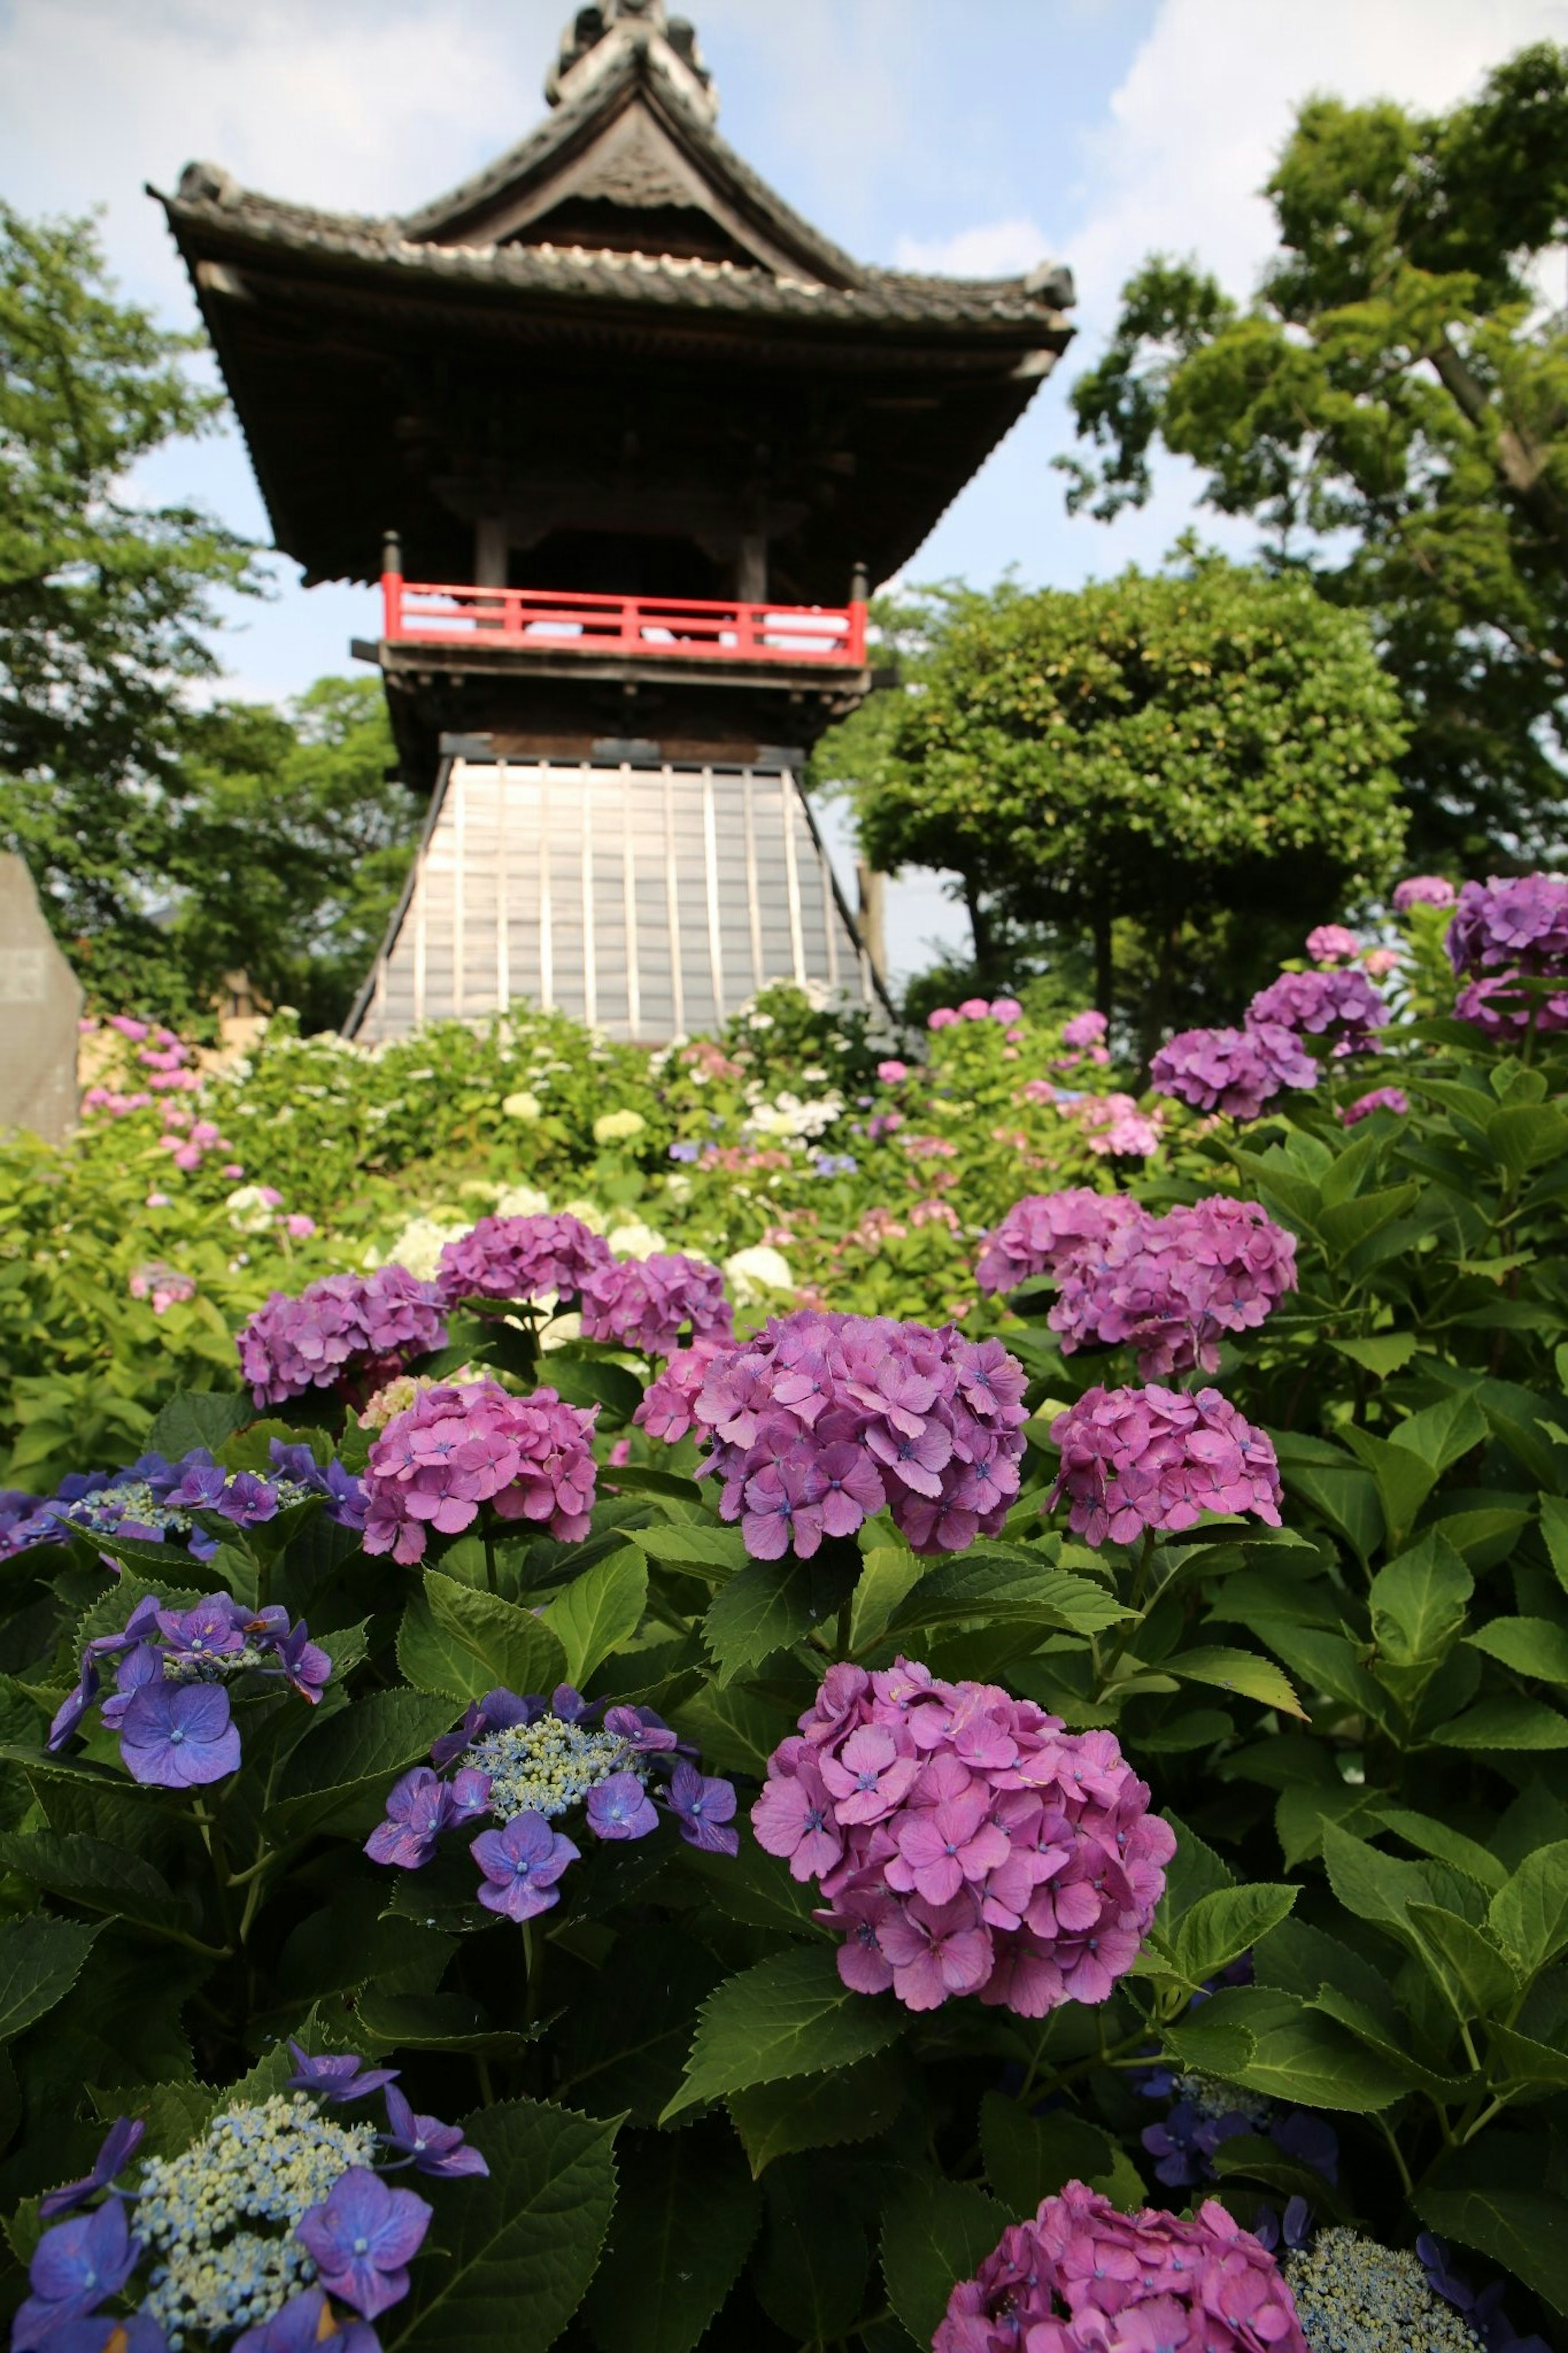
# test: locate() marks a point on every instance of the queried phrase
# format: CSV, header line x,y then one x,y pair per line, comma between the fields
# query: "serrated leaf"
x,y
40,1960
933,2235
696,1548
685,2220
1029,2157
1531,1646
777,2120
351,1759
1385,1353
1450,1846
1554,1528
1222,1927
791,2015
195,1417
1242,1672
814,2260
525,2241
770,1605
94,1872
1508,1721
1311,2063
1418,1601
1001,1593
1525,2230
598,1612
463,1641
734,1726
891,1572
1474,1976
1530,1915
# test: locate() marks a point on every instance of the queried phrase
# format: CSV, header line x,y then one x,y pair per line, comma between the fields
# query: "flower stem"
x,y
490,1562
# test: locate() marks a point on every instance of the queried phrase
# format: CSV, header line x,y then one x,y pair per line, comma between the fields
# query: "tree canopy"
x,y
105,601
1155,750
1393,407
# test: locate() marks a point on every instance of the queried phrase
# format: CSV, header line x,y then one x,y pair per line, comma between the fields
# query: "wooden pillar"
x,y
491,552
871,886
751,569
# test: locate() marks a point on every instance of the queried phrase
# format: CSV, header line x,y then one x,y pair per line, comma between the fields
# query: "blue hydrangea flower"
x,y
120,2144
620,1808
703,1805
336,2076
362,2238
521,1864
179,1735
304,2325
75,2268
434,2148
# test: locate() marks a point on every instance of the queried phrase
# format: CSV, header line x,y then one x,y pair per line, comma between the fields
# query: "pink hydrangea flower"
x,y
892,1073
1394,1098
1040,1230
1378,963
1332,943
522,1258
1157,1459
819,1422
1169,1286
964,1841
943,1017
1340,1004
647,1303
454,1450
1079,2278
1085,1030
1115,1126
1006,1009
1423,890
1234,1070
360,1328
1500,1006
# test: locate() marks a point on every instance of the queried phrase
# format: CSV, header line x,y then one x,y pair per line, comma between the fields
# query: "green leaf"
x,y
598,1612
735,1728
1418,1602
1444,1433
1236,1670
40,1960
1524,1135
891,1572
1222,1927
935,2233
1390,2043
1530,1915
810,2275
1554,1528
685,2220
1373,1885
792,2015
1383,1354
1505,1722
1541,2064
621,2043
1531,1646
347,1762
1309,2062
1346,1224
463,1641
1000,1592
523,2242
698,1549
1404,1478
1450,1846
95,1872
1029,2157
590,1381
434,2022
1525,2230
195,1417
771,1604
1475,1977
776,2120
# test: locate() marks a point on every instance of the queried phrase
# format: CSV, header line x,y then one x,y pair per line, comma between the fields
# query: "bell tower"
x,y
632,437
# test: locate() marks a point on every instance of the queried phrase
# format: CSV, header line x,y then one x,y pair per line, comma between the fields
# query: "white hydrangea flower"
x,y
618,1127
751,1274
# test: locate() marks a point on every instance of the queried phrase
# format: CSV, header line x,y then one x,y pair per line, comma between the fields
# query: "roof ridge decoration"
x,y
595,38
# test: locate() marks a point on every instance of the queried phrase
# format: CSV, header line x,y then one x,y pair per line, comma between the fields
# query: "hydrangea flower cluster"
x,y
164,1287
1203,2113
1394,1098
525,1762
1351,2292
1332,943
170,1704
1084,1031
1499,1006
1168,1286
456,1449
1232,1070
1340,1004
276,2212
650,1303
820,1420
1115,1126
516,1259
1006,1009
1422,890
1156,1459
1081,2278
345,1328
1517,925
153,1500
965,1842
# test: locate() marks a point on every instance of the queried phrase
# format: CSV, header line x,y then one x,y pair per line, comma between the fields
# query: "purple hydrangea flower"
x,y
621,1808
347,1328
179,1735
1169,1287
1137,1459
704,1807
1518,924
1040,1230
1232,1070
109,2332
362,2238
650,1303
120,2144
417,1811
1340,1004
75,2268
521,1864
436,2149
304,2325
518,1259
1422,890
336,2076
456,1449
1394,1098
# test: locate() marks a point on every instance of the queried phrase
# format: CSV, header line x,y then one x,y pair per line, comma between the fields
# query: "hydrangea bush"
x,y
820,1690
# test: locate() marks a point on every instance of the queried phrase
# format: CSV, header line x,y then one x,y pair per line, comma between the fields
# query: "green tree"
x,y
1163,754
292,845
105,602
1393,407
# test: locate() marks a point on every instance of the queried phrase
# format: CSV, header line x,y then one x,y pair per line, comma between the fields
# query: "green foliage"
x,y
1392,408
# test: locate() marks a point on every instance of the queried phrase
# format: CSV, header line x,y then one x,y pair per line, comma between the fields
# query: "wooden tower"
x,y
638,437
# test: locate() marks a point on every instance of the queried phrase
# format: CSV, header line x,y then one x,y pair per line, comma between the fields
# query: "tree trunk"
x,y
1104,963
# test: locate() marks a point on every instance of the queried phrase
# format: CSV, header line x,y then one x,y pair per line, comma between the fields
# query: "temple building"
x,y
625,440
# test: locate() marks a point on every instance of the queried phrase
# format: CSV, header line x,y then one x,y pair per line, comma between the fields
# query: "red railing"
x,y
544,620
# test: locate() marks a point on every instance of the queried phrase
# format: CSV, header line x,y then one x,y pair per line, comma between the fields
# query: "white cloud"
x,y
1003,248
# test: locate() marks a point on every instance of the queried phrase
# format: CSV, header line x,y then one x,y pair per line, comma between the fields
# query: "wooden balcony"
x,y
564,627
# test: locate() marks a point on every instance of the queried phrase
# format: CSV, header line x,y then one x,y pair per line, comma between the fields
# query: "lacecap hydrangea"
x,y
523,1763
277,2213
155,1501
819,1422
964,1841
1152,1461
457,1451
1079,2278
345,1331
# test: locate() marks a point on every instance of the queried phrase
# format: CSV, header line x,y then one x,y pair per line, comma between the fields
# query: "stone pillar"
x,y
41,1003
751,569
491,552
871,887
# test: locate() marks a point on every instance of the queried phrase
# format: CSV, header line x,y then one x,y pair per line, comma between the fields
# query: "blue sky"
x,y
972,136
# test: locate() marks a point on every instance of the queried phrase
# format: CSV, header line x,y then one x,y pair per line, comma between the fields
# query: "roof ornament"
x,y
596,39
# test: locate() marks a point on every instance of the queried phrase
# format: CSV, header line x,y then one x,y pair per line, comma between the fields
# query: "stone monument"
x,y
41,1003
